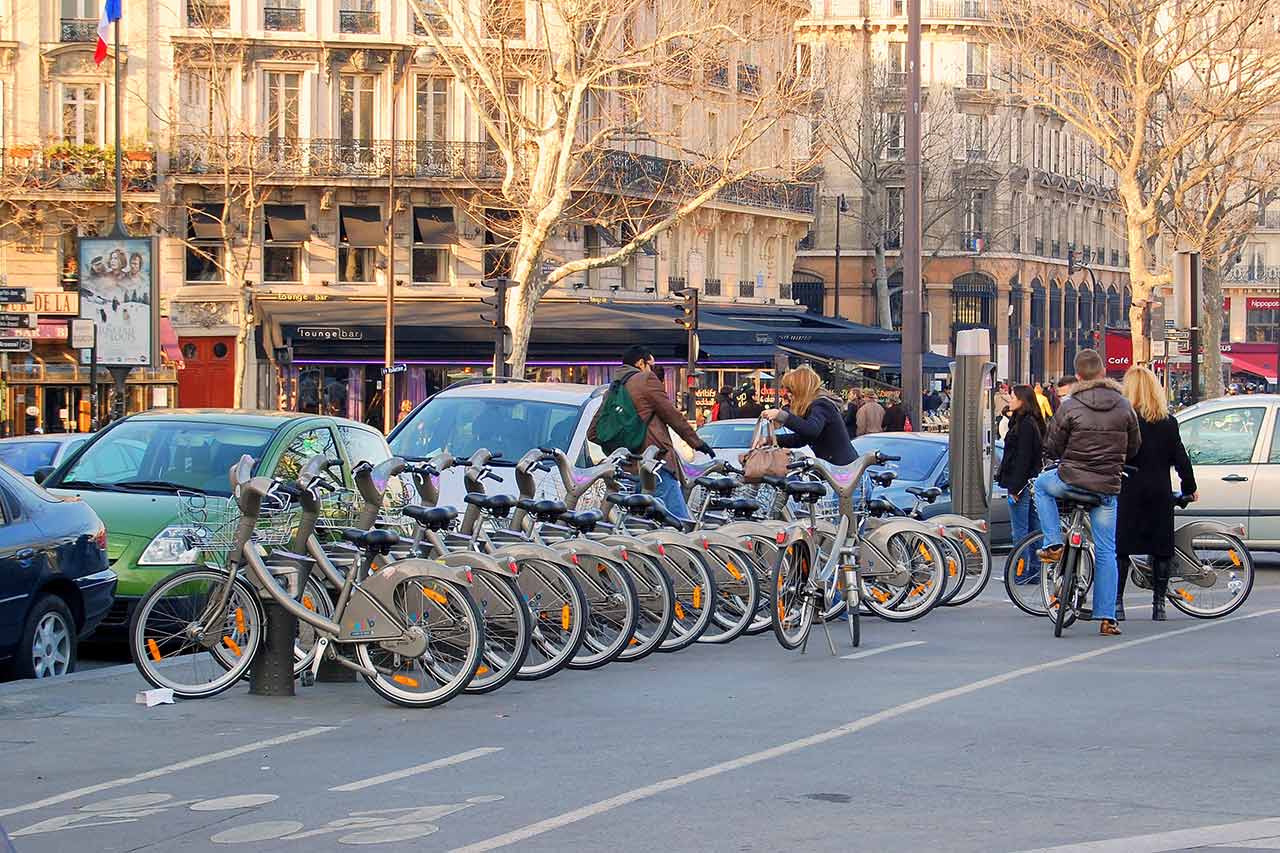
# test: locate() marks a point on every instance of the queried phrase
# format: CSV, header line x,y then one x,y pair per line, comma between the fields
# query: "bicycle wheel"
x,y
316,599
559,613
793,607
656,598
953,564
1222,582
922,571
612,608
695,593
764,553
177,641
833,600
737,594
454,630
1022,576
1063,601
506,631
976,565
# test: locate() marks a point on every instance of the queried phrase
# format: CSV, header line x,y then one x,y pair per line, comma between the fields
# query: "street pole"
x,y
1194,332
835,312
93,380
912,322
691,366
119,231
389,348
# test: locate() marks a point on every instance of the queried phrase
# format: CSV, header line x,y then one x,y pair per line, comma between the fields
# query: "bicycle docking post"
x,y
272,671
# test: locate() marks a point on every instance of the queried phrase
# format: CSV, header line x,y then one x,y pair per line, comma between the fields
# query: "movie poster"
x,y
115,292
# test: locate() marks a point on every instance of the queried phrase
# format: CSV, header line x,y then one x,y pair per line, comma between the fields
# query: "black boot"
x,y
1159,587
1123,574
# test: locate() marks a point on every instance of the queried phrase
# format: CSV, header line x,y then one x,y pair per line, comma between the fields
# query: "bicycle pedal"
x,y
308,678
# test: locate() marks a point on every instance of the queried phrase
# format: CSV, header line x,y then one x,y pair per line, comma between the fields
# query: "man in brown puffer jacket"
x,y
1092,435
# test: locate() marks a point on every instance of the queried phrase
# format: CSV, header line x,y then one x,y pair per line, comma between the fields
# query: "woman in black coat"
x,y
1144,523
1023,450
814,419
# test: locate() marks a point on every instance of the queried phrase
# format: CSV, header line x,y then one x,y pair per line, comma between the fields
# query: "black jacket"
x,y
895,418
1023,451
1144,523
1093,433
822,430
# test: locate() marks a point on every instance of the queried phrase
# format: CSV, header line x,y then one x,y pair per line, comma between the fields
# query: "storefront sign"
x,y
399,368
13,320
15,295
1263,303
329,333
15,345
51,303
52,330
17,333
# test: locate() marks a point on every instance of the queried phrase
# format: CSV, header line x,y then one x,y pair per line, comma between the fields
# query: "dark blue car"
x,y
55,582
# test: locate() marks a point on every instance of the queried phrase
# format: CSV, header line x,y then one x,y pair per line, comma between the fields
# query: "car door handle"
x,y
1235,478
25,554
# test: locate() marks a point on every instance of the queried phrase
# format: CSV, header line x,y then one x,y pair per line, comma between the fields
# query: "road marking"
x,y
1207,837
852,727
420,768
189,763
882,650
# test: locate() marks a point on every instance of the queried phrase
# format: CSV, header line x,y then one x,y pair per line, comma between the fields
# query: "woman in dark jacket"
x,y
815,420
1144,522
1022,460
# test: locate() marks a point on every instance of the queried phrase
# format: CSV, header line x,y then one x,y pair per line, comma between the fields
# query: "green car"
x,y
132,472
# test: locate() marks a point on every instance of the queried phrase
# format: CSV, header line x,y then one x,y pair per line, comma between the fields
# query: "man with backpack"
x,y
636,414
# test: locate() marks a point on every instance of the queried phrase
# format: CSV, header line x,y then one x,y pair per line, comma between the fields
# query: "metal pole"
x,y
1194,332
93,381
389,347
835,312
118,231
500,330
912,345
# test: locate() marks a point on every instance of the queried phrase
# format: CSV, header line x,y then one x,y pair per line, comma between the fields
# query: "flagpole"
x,y
119,231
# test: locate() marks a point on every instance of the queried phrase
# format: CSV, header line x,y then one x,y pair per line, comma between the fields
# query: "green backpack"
x,y
619,424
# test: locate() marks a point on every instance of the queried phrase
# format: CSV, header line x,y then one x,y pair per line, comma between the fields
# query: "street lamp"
x,y
841,208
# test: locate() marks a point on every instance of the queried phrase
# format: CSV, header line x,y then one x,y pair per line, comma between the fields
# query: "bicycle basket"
x,y
212,522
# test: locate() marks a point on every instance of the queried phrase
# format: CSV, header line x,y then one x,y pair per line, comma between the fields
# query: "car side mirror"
x,y
945,485
42,473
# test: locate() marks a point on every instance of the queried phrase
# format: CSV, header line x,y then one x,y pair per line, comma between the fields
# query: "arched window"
x,y
1070,323
1038,326
973,298
1085,336
1125,306
895,300
809,290
1055,311
1114,317
1016,333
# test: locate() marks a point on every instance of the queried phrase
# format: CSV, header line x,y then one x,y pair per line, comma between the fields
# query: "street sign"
x,y
18,321
83,334
17,333
15,344
11,295
399,368
1157,348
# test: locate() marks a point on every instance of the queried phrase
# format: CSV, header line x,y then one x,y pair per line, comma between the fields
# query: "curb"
x,y
28,684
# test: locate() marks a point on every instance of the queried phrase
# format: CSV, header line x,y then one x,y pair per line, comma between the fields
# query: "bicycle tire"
x,y
792,611
695,595
953,561
455,645
737,595
1066,602
1238,571
920,556
558,610
240,629
656,596
316,599
612,607
977,567
1022,576
507,631
764,551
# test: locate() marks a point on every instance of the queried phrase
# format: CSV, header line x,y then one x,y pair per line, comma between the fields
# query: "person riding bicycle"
x,y
1092,435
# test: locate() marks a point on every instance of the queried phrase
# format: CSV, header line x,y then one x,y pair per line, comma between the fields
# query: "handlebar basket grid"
x,y
211,522
393,505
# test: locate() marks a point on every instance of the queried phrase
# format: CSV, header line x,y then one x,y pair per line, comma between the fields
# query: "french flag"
x,y
110,14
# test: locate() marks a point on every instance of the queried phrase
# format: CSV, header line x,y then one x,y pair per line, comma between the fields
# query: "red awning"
x,y
1262,365
169,344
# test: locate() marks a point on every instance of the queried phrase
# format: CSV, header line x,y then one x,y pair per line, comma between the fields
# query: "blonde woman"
x,y
1145,521
814,418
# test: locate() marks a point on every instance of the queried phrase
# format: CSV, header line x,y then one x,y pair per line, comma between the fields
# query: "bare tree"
x,y
586,107
1147,82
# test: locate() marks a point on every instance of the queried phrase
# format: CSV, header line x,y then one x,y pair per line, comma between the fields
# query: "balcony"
x,y
711,286
1269,220
974,241
438,23
78,29
894,152
72,168
718,75
270,159
895,79
747,289
284,19
357,21
950,10
1253,273
208,14
748,79
975,81
643,173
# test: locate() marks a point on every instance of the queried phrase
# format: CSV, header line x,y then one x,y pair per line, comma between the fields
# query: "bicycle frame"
x,y
1185,564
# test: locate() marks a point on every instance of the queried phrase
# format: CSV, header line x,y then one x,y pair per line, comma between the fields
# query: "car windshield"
x,y
27,456
22,484
162,455
462,425
731,433
919,458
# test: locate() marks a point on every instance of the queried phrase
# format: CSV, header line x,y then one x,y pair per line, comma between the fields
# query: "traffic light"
x,y
497,302
688,318
1071,262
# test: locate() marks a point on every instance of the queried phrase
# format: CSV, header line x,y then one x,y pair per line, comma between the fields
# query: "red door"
x,y
208,378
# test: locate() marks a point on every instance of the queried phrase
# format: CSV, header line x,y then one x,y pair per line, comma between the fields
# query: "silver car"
x,y
27,454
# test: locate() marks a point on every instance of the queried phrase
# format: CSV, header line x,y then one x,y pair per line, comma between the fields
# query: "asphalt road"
x,y
971,730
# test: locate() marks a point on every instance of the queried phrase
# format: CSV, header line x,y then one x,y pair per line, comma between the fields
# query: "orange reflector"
x,y
1184,595
697,597
782,612
482,670
968,543
679,611
733,570
633,642
233,645
240,619
601,568
1022,564
1053,600
1235,558
924,552
565,620
437,597
880,595
154,649
308,603
951,567
406,680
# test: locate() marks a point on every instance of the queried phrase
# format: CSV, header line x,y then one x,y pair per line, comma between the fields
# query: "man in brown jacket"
x,y
660,415
870,418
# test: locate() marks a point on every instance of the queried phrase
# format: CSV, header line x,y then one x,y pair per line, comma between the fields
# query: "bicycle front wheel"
x,y
1217,582
737,594
612,608
975,567
316,599
793,604
695,593
656,597
506,631
559,612
181,641
918,585
1022,572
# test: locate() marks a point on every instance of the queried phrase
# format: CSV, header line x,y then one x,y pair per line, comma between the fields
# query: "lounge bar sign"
x,y
329,333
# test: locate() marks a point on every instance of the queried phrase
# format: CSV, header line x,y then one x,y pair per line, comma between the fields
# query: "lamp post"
x,y
841,207
912,224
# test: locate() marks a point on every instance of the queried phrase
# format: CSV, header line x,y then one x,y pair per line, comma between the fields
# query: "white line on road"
x,y
882,650
198,761
852,727
421,768
1206,837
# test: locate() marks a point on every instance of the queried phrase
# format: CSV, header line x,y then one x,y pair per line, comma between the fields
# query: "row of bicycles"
x,y
427,601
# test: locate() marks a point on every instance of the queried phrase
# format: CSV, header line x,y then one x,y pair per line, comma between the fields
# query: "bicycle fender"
x,y
571,548
1187,533
481,563
873,555
629,544
951,519
518,552
418,567
747,529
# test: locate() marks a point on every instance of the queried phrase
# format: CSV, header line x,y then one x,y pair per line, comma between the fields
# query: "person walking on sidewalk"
x,y
1023,451
1092,435
813,417
1145,518
895,415
870,418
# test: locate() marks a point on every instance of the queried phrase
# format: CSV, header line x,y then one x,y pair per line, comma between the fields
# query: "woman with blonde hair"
x,y
814,418
1144,524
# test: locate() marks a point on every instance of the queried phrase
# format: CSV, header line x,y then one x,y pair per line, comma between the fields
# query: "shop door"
x,y
208,378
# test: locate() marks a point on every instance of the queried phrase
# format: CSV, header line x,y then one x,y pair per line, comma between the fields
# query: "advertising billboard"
x,y
117,291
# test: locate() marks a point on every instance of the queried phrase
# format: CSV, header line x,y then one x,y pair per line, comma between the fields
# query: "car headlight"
x,y
169,548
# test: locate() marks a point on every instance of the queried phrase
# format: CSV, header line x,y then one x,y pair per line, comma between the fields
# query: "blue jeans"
x,y
1020,514
1103,521
672,496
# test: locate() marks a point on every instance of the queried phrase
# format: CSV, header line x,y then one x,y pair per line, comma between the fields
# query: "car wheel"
x,y
48,641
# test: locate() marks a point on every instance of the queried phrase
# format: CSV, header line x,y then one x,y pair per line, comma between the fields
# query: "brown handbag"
x,y
765,457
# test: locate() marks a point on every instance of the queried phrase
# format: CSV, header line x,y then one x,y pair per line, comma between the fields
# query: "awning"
x,y
607,237
362,227
169,344
206,222
739,353
435,225
287,223
1262,365
874,355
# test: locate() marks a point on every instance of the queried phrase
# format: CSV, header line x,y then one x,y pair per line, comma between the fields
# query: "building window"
x,y
713,132
208,14
204,242
82,113
1260,319
975,136
285,229
282,108
358,16
895,135
1016,209
79,20
432,109
975,221
973,299
355,119
360,233
504,19
897,71
284,16
893,218
434,233
975,65
439,23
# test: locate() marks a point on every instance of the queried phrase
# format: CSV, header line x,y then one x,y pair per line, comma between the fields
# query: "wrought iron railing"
x,y
748,78
675,283
711,286
895,79
84,169
272,158
975,81
1253,273
1115,257
718,75
1057,249
1040,246
284,18
976,10
208,14
747,289
78,29
784,290
357,21
438,23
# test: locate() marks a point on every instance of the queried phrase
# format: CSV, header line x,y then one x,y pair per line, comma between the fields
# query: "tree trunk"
x,y
1142,282
883,310
1211,319
243,337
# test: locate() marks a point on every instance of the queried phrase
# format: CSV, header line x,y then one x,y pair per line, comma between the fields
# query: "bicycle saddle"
x,y
1081,497
633,502
774,480
583,522
883,478
880,506
543,510
742,507
372,541
805,490
659,512
432,517
927,495
719,485
499,505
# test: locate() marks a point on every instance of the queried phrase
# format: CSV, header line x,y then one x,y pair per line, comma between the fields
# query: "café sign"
x,y
51,303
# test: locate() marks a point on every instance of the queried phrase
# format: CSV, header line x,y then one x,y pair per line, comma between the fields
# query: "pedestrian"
x,y
1046,410
1065,384
746,401
660,416
895,415
1022,460
814,418
870,417
1092,436
853,399
1145,518
724,409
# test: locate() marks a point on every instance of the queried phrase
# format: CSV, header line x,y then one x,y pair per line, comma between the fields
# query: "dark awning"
x,y
204,222
287,223
362,227
435,225
740,353
876,354
607,237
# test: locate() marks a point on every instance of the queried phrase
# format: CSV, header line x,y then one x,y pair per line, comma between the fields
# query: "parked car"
x,y
133,471
55,583
731,437
29,453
